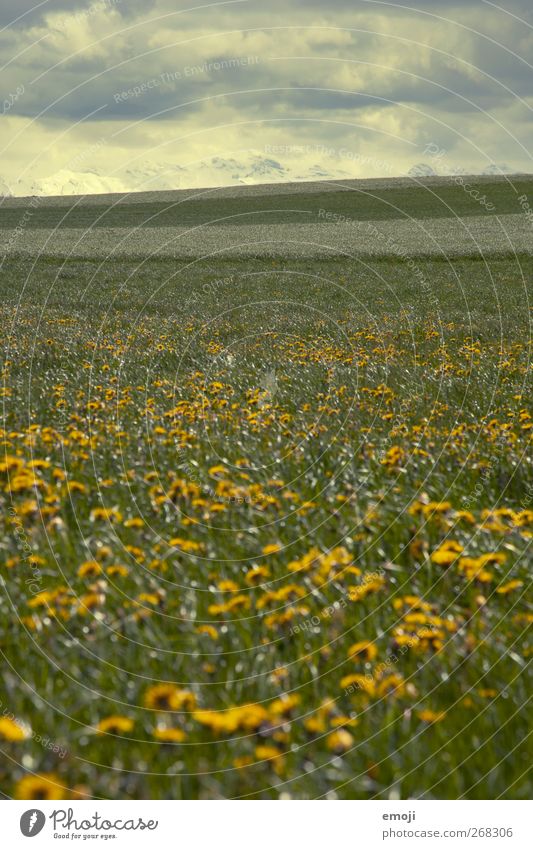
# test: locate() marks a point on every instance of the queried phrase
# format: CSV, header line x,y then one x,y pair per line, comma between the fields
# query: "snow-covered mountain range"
x,y
424,169
248,169
217,171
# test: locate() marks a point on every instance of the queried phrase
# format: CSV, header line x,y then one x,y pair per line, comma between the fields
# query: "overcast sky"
x,y
359,85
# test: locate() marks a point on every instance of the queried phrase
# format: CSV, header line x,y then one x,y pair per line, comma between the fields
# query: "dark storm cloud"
x,y
395,71
162,94
512,6
164,90
25,13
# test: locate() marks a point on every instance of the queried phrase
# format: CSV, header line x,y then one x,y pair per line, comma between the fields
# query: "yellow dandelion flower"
x,y
209,630
284,705
227,586
89,569
431,715
271,549
12,730
117,569
256,575
447,553
315,724
365,683
339,741
391,685
169,735
242,717
267,753
134,523
344,721
76,486
109,514
9,463
115,725
359,592
242,762
509,587
169,697
150,598
189,546
238,602
89,601
393,457
41,786
363,650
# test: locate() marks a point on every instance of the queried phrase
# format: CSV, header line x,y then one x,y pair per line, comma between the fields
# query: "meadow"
x,y
266,523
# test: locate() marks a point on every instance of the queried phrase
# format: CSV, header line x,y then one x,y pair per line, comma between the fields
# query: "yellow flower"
x,y
391,685
186,545
110,514
344,721
271,549
88,601
393,457
339,741
308,561
242,762
115,725
40,786
210,630
10,462
150,598
359,682
169,735
169,697
76,486
509,587
267,753
89,569
227,586
473,568
242,717
466,515
315,724
447,553
360,591
436,507
134,523
431,715
117,569
238,602
284,705
256,574
12,730
363,650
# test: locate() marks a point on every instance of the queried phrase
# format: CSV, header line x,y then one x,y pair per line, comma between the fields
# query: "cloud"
x,y
26,13
368,74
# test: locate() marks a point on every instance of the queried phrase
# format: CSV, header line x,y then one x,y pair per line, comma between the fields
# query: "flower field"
x,y
266,528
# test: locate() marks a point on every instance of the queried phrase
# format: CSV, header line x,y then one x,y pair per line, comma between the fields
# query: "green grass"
x,y
442,201
323,367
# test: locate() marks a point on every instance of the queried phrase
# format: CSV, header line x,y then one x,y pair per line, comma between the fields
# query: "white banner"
x,y
264,825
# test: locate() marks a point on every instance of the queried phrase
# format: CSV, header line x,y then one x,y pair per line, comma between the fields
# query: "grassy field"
x,y
266,526
443,200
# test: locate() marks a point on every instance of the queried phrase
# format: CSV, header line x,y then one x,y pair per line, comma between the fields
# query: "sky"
x,y
126,92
